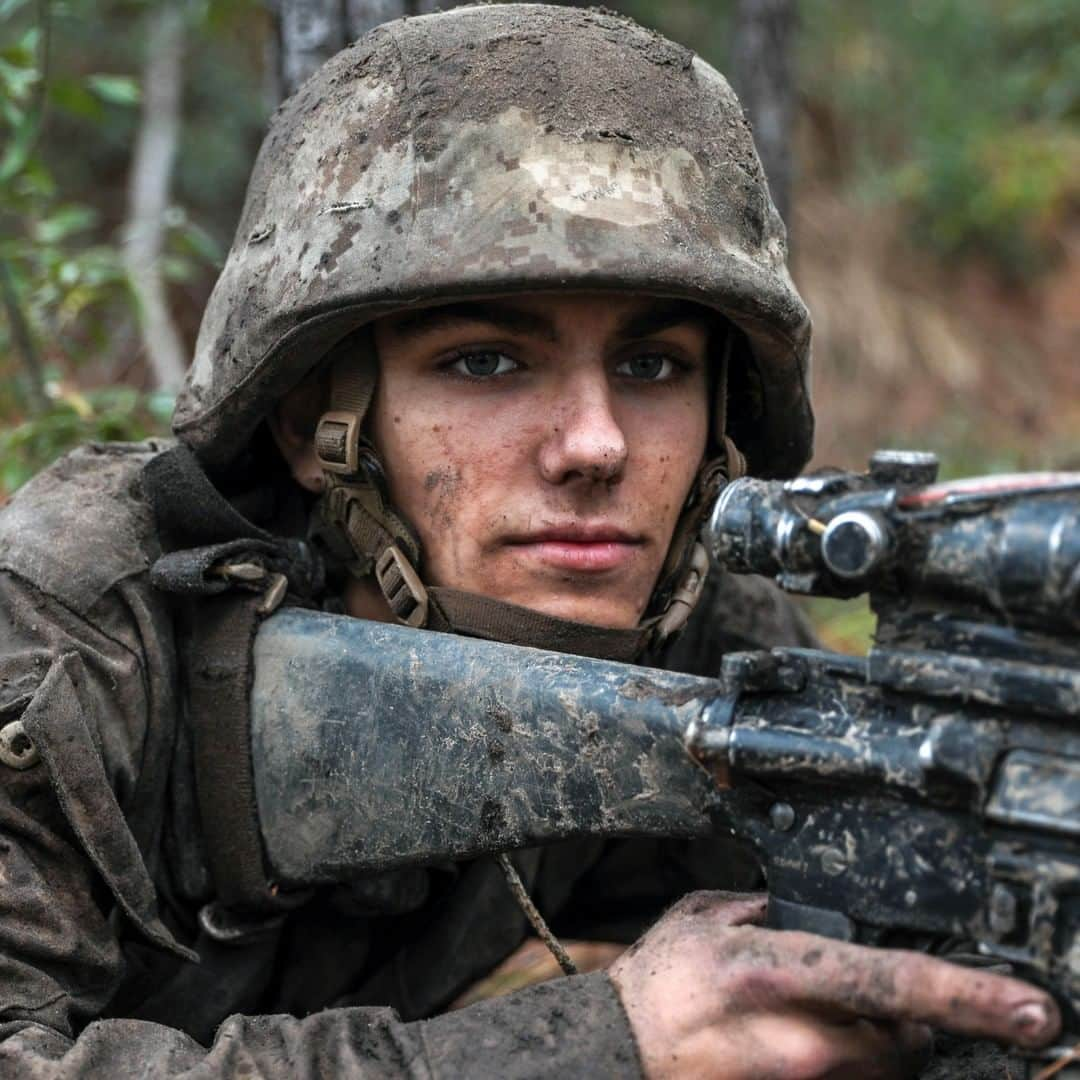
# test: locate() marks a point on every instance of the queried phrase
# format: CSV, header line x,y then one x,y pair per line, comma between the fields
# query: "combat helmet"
x,y
485,151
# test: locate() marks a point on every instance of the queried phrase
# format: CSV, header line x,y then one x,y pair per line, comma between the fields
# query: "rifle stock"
x,y
378,747
928,793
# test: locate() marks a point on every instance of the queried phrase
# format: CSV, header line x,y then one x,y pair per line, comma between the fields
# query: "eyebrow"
x,y
657,316
493,313
662,315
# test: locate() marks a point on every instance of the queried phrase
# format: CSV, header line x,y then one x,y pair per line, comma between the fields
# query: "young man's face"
x,y
543,446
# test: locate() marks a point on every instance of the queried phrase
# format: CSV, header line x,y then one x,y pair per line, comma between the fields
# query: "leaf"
x,y
17,79
23,53
9,7
115,89
20,147
200,243
72,97
9,111
75,302
177,268
64,222
78,403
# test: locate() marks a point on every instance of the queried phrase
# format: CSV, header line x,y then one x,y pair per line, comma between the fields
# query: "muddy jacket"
x,y
115,960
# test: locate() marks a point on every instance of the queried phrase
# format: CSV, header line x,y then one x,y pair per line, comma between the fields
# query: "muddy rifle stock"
x,y
927,793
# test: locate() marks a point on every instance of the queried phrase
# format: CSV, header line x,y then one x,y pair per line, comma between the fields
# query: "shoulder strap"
x,y
229,575
219,671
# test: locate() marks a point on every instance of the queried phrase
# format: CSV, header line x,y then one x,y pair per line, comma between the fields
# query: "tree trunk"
x,y
309,32
763,73
148,193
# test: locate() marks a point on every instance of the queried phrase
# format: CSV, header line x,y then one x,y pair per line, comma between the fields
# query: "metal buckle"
x,y
251,575
399,584
230,928
238,572
337,441
686,596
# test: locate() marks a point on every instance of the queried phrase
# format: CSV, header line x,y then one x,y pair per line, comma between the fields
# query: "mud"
x,y
961,1059
491,150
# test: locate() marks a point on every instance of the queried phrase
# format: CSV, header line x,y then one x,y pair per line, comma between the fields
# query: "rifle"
x,y
928,791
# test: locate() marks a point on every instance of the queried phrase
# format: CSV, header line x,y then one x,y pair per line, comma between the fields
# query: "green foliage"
x,y
60,277
846,626
111,414
115,89
69,100
965,112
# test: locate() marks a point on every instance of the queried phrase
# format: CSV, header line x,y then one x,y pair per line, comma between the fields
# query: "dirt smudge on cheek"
x,y
444,487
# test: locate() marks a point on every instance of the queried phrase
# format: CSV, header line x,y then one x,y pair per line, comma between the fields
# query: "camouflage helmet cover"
x,y
492,150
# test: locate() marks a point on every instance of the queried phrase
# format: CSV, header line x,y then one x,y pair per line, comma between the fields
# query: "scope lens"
x,y
853,544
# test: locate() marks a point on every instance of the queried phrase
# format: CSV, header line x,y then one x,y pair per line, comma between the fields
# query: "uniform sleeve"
x,y
85,746
574,1027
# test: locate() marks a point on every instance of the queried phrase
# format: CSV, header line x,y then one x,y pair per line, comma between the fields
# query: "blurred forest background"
x,y
928,153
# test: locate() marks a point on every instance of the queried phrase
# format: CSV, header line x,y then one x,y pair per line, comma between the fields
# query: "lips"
x,y
585,547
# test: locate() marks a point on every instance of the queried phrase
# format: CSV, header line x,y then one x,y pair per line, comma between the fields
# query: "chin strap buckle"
x,y
402,587
337,441
686,596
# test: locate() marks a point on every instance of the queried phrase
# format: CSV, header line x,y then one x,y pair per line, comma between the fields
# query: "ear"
x,y
292,423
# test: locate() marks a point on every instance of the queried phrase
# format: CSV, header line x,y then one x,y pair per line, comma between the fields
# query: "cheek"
x,y
443,489
450,479
428,478
672,446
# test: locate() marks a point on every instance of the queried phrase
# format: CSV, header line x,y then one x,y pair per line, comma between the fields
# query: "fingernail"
x,y
1030,1018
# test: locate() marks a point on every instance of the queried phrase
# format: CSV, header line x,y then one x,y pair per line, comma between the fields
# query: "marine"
x,y
506,306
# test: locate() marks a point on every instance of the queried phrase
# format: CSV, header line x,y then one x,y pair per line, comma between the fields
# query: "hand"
x,y
709,995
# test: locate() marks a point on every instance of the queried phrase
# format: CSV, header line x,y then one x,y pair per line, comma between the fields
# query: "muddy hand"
x,y
711,995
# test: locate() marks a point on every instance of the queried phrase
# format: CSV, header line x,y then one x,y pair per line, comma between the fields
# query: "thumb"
x,y
723,908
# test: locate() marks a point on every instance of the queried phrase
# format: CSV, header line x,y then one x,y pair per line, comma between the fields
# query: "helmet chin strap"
x,y
360,526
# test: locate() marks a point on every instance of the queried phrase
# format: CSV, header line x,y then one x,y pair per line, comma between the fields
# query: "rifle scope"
x,y
1010,544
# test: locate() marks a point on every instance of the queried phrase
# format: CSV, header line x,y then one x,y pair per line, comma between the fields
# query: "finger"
x,y
722,908
870,1050
916,1044
891,984
802,1048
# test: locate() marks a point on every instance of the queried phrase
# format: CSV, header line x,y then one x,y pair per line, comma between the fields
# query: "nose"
x,y
585,440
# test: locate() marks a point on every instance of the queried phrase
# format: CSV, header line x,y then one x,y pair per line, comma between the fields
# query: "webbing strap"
x,y
352,380
353,376
460,612
219,671
357,514
370,526
392,559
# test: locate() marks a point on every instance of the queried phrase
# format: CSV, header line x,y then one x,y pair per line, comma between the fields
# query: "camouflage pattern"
x,y
106,885
492,150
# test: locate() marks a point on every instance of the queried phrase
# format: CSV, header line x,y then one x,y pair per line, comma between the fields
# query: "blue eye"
x,y
483,365
651,367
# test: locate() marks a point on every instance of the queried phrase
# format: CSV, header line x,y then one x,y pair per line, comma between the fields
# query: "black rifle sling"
x,y
226,574
219,673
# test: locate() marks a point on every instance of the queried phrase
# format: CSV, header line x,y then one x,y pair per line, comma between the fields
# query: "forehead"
x,y
550,315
